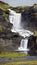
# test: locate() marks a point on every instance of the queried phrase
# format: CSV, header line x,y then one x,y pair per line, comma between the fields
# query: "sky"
x,y
20,2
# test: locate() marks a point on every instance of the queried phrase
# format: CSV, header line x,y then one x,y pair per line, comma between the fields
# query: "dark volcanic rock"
x,y
32,42
32,45
29,19
5,25
10,41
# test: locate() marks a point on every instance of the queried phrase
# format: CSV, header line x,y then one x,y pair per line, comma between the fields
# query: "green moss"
x,y
4,6
4,14
35,33
1,28
17,11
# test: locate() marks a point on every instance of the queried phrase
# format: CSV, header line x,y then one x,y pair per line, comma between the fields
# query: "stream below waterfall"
x,y
15,19
19,59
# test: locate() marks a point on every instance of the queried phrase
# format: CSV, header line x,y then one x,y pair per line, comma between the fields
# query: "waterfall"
x,y
15,19
23,45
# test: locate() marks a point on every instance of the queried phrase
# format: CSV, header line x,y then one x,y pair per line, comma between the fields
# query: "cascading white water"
x,y
15,19
23,45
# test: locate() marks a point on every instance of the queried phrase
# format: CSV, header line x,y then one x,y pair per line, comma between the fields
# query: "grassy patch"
x,y
22,63
1,28
4,6
16,60
11,54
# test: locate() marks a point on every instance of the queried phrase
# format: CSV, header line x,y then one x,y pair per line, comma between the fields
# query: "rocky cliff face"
x,y
29,22
29,18
9,41
5,25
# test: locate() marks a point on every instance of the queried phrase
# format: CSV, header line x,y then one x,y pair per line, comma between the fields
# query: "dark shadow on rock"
x,y
32,45
28,19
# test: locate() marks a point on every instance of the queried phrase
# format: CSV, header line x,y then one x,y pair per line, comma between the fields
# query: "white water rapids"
x,y
15,19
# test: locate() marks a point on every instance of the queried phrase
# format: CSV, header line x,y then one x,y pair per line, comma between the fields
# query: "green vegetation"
x,y
19,9
1,28
30,62
11,54
4,6
35,33
4,16
14,58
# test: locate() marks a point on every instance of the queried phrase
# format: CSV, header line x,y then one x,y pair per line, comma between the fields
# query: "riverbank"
x,y
22,63
16,58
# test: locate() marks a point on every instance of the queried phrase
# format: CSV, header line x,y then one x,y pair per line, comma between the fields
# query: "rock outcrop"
x,y
29,18
9,41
